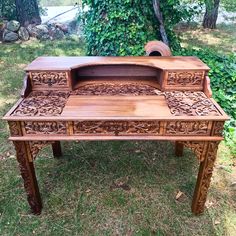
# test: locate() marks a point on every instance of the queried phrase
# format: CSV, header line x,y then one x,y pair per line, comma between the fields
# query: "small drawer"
x,y
49,79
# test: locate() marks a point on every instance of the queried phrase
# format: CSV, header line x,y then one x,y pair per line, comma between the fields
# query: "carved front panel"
x,y
45,127
113,89
188,127
49,79
185,78
116,127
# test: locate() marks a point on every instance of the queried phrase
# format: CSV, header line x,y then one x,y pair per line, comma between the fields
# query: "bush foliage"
x,y
123,27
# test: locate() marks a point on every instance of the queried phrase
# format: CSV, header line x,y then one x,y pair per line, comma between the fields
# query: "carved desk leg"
x,y
56,149
204,178
24,157
179,148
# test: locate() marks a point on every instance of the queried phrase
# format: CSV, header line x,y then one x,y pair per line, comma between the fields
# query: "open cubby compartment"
x,y
117,74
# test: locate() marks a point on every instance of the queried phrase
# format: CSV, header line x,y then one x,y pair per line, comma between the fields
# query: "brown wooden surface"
x,y
68,63
118,106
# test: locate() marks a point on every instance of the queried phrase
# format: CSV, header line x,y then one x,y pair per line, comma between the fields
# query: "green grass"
x,y
78,189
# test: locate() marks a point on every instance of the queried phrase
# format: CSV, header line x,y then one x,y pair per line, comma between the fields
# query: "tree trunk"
x,y
158,14
27,12
211,14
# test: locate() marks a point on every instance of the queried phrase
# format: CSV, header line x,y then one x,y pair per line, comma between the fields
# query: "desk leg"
x,y
179,148
24,157
204,178
56,149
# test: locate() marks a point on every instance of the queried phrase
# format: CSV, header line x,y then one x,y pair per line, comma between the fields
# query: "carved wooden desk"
x,y
116,98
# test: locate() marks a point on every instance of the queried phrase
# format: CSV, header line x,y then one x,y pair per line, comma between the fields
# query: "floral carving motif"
x,y
190,104
49,78
198,147
187,127
116,89
205,174
36,146
45,127
117,127
15,128
47,103
27,173
218,128
192,78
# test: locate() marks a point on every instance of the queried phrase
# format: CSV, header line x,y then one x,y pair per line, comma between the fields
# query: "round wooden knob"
x,y
157,48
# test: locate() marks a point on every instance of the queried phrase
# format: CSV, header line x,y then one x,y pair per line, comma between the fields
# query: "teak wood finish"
x,y
116,98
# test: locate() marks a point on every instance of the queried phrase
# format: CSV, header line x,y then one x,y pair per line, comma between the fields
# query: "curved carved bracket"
x,y
207,87
36,146
26,87
198,147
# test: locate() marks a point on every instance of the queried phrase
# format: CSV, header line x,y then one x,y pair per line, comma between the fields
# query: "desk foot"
x,y
25,160
204,178
179,148
56,149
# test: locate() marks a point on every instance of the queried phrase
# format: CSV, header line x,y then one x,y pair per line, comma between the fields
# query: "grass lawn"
x,y
81,192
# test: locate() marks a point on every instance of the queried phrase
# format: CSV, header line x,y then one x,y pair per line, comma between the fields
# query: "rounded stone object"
x,y
13,25
9,36
58,34
157,48
23,34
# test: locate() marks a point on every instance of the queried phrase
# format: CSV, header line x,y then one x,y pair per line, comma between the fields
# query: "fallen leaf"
x,y
209,203
178,195
217,222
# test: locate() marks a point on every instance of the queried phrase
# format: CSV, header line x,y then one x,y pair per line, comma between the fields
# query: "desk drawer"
x,y
49,79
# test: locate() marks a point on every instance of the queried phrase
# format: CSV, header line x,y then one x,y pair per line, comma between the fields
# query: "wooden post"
x,y
204,178
56,149
24,157
179,148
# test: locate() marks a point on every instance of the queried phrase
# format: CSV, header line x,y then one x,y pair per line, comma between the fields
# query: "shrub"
x,y
123,27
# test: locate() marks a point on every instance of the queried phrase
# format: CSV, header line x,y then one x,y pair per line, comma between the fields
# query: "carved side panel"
x,y
185,78
204,178
116,127
28,175
15,128
218,128
49,79
198,147
45,127
188,128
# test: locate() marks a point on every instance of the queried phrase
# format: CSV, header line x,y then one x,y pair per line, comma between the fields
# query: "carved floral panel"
x,y
113,89
187,128
190,104
116,127
42,103
48,79
185,78
45,127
